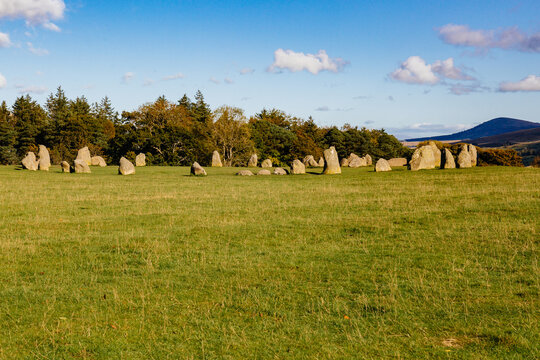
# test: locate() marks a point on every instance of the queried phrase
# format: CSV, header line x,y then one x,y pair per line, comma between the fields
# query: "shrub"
x,y
536,161
501,157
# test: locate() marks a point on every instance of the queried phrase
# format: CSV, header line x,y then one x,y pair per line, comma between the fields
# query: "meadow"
x,y
364,265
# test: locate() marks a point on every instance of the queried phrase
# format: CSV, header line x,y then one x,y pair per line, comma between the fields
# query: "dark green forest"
x,y
175,132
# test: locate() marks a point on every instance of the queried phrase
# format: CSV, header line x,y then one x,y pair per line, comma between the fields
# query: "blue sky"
x,y
411,67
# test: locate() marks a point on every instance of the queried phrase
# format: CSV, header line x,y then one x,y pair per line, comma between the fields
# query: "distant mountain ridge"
x,y
492,127
510,138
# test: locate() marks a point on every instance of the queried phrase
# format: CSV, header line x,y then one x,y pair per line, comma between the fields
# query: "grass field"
x,y
160,265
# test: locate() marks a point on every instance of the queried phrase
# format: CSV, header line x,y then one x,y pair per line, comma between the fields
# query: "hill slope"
x,y
489,128
509,138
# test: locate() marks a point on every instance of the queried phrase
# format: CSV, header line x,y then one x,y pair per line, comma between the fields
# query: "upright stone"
x,y
310,161
126,167
422,158
140,160
474,154
81,167
436,153
344,162
44,158
356,161
84,155
29,162
297,167
266,163
65,167
369,160
253,160
321,162
280,171
397,162
98,161
216,159
331,162
447,160
197,170
464,157
382,165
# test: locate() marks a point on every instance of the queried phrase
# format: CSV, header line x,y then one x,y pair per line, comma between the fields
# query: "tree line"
x,y
176,133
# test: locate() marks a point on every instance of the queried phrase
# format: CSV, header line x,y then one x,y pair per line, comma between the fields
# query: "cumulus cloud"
x,y
128,76
247,71
36,51
530,83
298,61
4,40
34,12
173,77
509,38
415,70
32,89
3,81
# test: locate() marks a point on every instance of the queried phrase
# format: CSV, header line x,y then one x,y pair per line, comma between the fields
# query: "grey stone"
x,y
140,160
44,158
464,157
447,160
382,165
394,162
245,173
280,171
331,162
81,167
98,161
264,172
474,155
197,170
84,155
369,160
422,158
436,153
125,167
266,163
344,162
253,160
65,167
29,162
216,159
321,162
297,167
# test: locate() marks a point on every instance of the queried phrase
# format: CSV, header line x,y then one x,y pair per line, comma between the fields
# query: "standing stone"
x,y
474,154
280,171
264,172
98,161
321,162
216,160
197,170
310,161
369,160
447,160
245,173
397,162
44,158
297,167
140,160
266,163
422,158
29,162
84,155
331,161
436,153
253,161
81,167
126,167
344,162
65,167
464,157
382,165
356,161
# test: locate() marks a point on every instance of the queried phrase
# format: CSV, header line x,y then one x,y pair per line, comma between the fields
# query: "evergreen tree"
x,y
30,124
8,154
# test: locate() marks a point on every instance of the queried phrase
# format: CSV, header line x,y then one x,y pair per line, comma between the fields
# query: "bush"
x,y
536,161
500,157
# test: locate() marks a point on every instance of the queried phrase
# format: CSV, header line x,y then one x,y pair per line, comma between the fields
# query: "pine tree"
x,y
8,154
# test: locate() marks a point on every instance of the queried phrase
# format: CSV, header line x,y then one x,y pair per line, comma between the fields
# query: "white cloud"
x,y
214,80
298,61
36,51
35,12
509,38
229,81
326,108
33,89
414,70
4,40
530,83
127,76
246,71
173,77
51,26
465,89
3,81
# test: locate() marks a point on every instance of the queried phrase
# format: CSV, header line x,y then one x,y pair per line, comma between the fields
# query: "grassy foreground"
x,y
160,265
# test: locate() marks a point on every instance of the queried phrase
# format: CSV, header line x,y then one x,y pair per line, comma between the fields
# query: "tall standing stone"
x,y
216,159
310,161
140,160
344,162
356,161
266,163
422,158
397,162
253,160
44,158
464,157
65,167
197,170
321,162
81,167
436,153
447,161
297,167
98,161
331,162
126,167
369,160
473,154
29,162
382,165
84,155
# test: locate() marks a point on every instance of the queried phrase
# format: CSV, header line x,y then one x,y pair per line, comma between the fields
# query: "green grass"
x,y
160,265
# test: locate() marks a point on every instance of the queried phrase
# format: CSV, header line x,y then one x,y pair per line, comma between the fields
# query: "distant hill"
x,y
509,138
492,127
